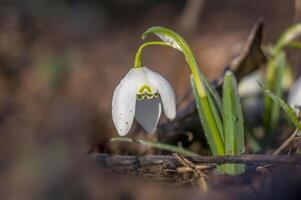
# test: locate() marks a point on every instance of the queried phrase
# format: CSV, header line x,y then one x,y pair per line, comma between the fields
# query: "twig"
x,y
106,160
286,143
190,165
264,169
199,174
188,169
166,167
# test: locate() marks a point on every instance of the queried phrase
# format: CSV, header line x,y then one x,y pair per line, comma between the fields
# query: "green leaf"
x,y
156,145
288,110
212,91
216,114
276,68
209,123
170,37
274,77
295,44
275,110
289,35
233,123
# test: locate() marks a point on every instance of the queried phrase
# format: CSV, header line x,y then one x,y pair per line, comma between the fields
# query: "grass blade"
x,y
289,35
275,109
209,124
156,145
275,71
216,115
288,110
233,123
215,97
295,44
276,67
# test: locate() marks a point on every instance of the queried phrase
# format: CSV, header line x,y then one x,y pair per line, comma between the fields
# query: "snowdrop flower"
x,y
141,94
294,96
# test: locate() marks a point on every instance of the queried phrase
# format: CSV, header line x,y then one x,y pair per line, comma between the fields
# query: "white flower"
x,y
294,96
140,94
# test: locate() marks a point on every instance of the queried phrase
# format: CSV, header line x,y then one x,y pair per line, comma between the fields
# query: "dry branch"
x,y
168,161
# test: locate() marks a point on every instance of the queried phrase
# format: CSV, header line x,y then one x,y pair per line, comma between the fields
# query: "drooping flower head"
x,y
141,95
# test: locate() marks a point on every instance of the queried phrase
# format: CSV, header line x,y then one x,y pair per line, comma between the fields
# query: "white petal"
x,y
294,97
167,94
124,101
148,112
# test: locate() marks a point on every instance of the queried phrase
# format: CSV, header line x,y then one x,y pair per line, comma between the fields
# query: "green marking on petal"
x,y
146,92
149,96
157,95
140,97
145,89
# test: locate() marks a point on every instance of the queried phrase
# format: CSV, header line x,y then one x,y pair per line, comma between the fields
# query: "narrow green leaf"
x,y
209,124
170,37
289,35
288,110
281,64
275,70
121,139
156,145
233,123
295,44
216,97
216,114
274,76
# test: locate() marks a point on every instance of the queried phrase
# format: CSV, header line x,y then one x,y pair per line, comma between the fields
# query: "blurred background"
x,y
60,61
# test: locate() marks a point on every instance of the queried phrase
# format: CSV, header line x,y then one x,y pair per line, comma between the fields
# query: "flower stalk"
x,y
137,63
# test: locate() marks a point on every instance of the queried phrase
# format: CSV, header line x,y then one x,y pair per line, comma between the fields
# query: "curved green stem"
x,y
137,63
176,39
